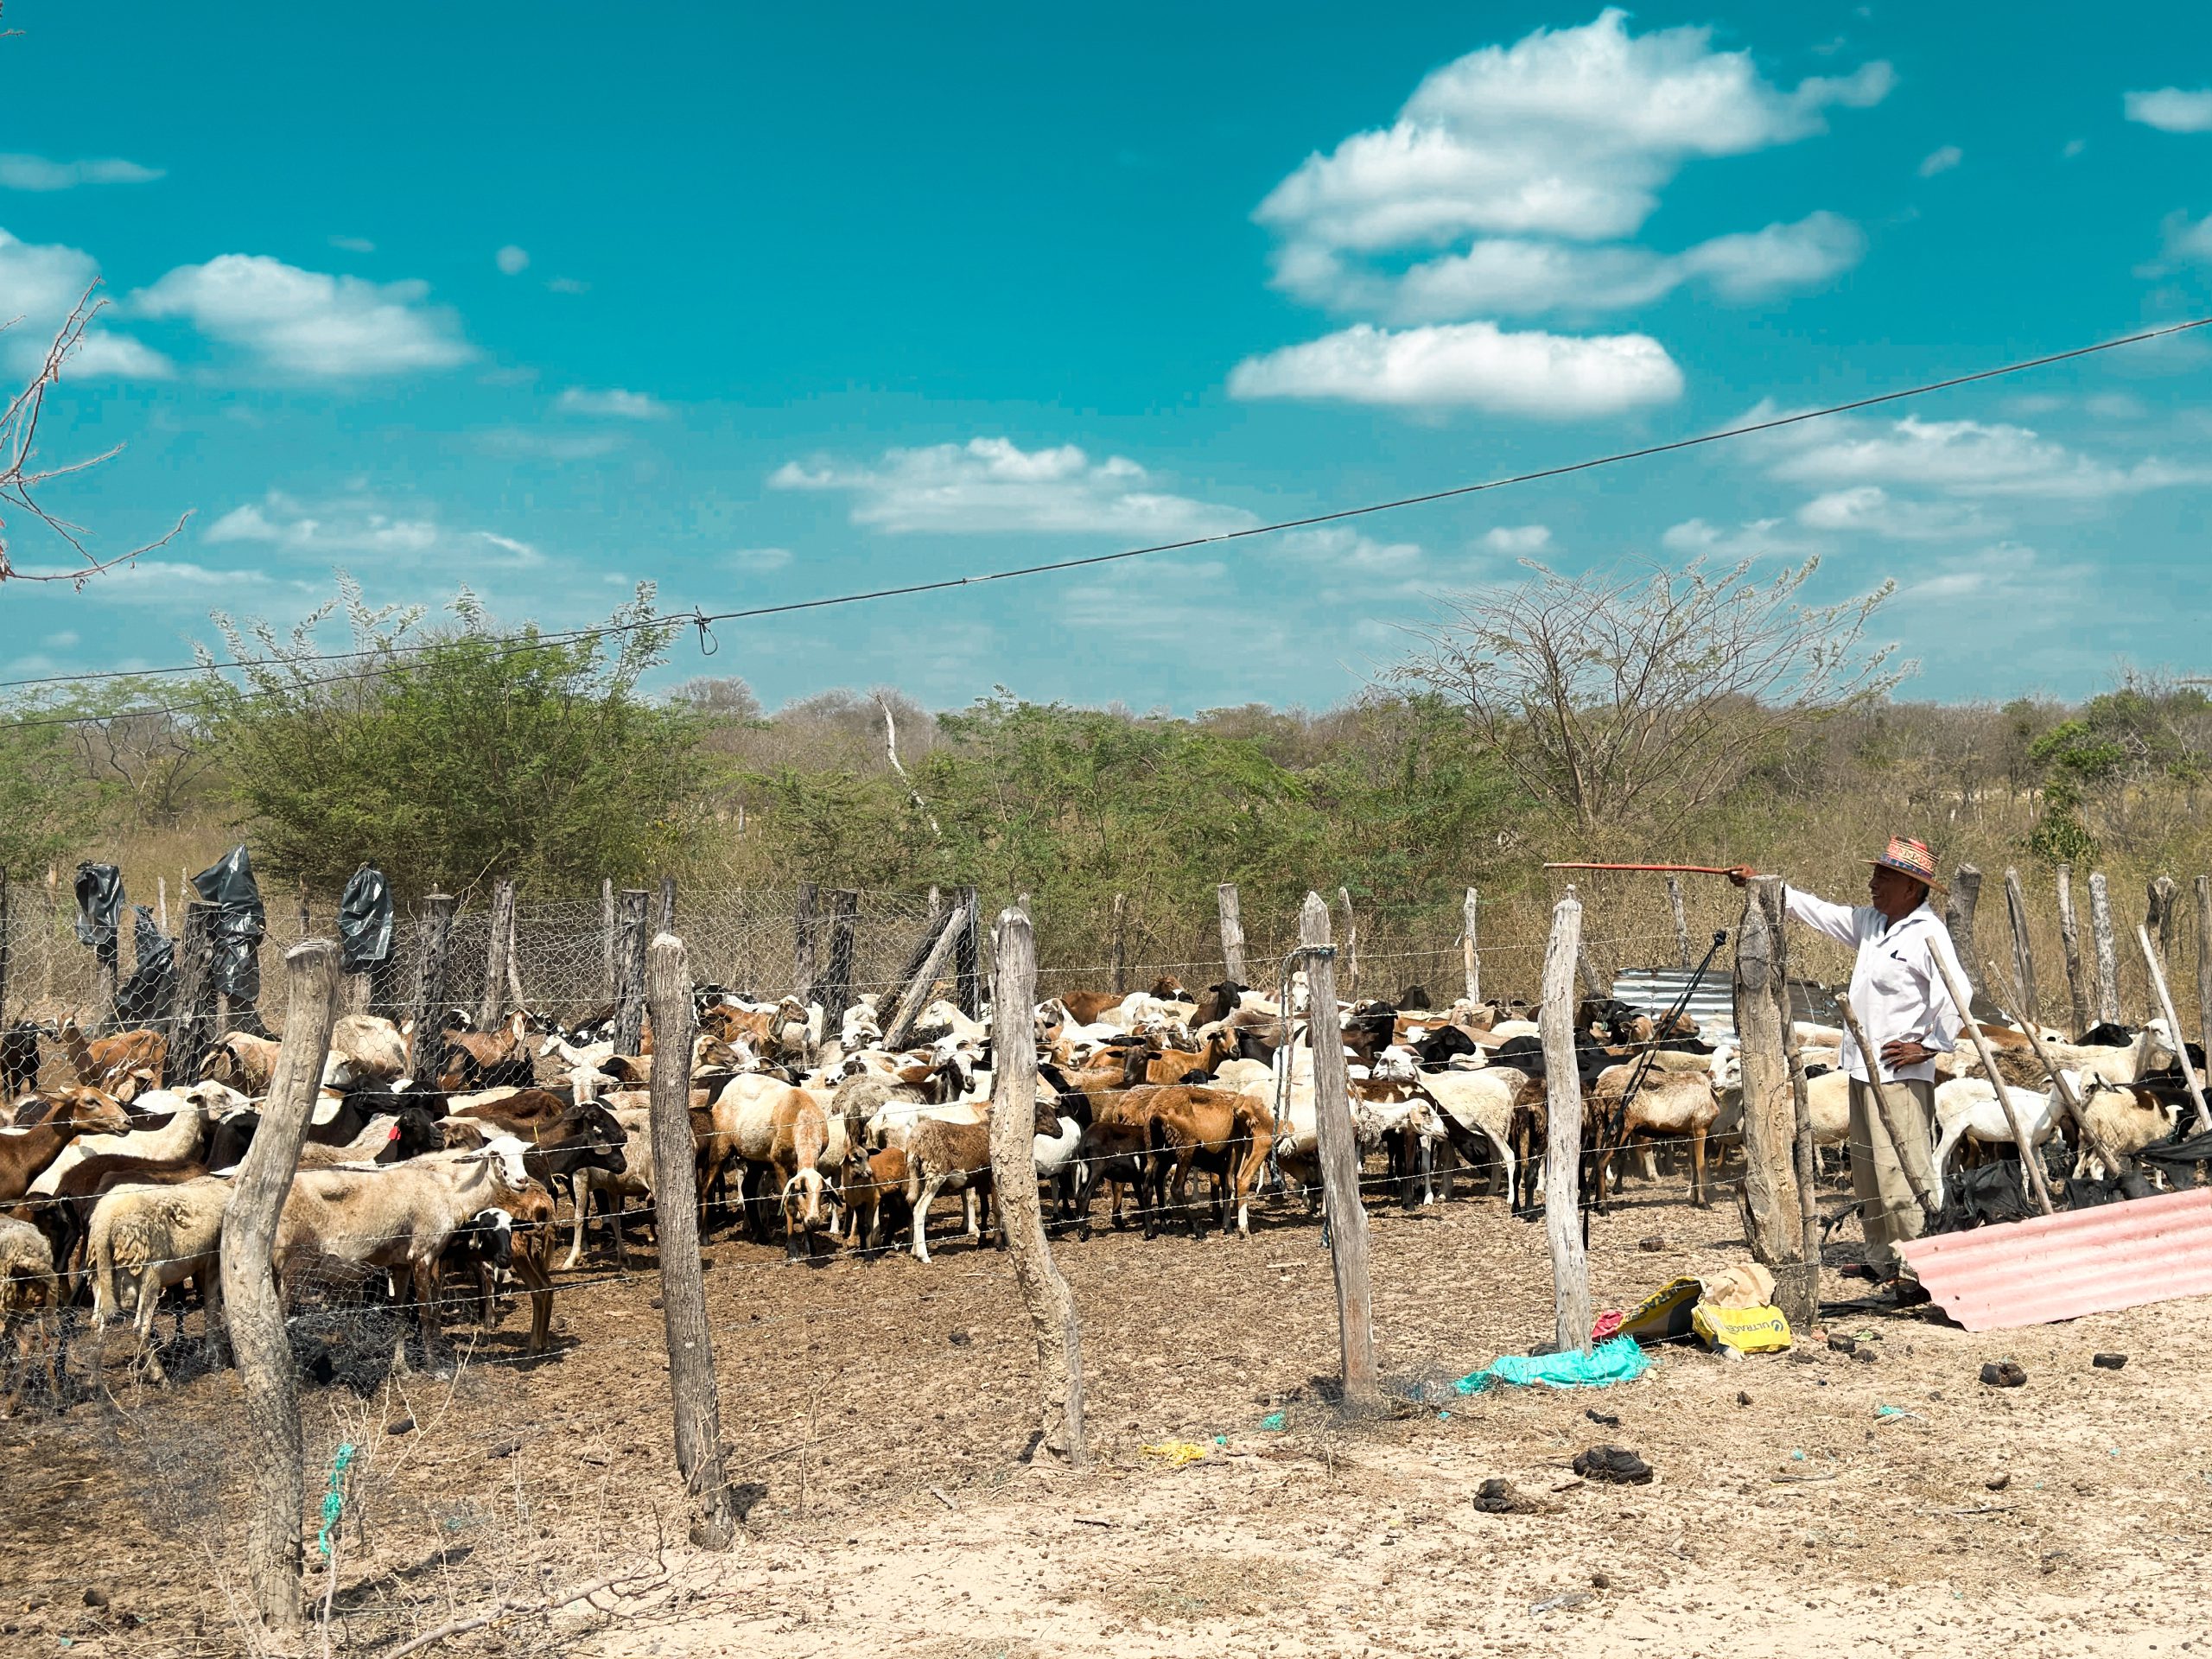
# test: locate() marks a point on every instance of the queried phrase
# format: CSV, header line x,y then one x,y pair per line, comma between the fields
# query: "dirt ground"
x,y
874,1413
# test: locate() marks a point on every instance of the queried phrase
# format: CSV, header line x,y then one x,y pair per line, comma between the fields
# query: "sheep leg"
x,y
580,1186
930,1186
1698,1193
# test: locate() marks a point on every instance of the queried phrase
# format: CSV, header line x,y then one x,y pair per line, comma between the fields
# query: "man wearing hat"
x,y
1904,1010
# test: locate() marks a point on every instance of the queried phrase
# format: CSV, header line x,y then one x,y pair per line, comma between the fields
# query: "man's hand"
x,y
1904,1051
1740,874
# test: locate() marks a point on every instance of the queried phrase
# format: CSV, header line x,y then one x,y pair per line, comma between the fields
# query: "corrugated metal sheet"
x,y
1712,1005
2062,1266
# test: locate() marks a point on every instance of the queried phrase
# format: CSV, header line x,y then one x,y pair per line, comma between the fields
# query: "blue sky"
x,y
552,300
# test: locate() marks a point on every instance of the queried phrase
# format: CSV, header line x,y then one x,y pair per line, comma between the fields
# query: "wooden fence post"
x,y
2203,955
251,1307
1776,1230
7,940
2161,921
2173,1029
917,991
607,936
1120,983
160,902
1471,953
894,995
1682,921
667,905
430,987
194,1027
515,998
2108,960
1563,1135
495,954
1232,932
630,974
2069,940
1348,953
967,949
2024,954
691,1388
1045,1290
837,979
803,939
1958,918
2029,1161
1347,1214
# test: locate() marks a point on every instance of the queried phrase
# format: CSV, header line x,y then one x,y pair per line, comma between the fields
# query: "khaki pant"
x,y
1888,1212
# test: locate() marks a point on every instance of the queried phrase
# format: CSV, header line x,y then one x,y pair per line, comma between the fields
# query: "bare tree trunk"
x,y
495,954
251,1305
1471,953
2069,940
1045,1290
1682,920
691,1387
1958,918
2024,953
1777,1228
630,975
1232,933
1339,1149
1563,1135
2108,960
917,992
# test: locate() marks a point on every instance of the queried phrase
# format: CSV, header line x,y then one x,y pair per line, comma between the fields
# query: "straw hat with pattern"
x,y
1910,858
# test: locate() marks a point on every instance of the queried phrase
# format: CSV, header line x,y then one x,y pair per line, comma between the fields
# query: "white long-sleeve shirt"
x,y
1895,989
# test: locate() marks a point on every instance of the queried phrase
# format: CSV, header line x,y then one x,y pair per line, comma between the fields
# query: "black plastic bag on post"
x,y
240,925
100,906
149,996
365,921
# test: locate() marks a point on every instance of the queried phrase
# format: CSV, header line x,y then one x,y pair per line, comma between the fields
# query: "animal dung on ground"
x,y
1598,1416
1998,1483
400,1426
1865,1354
2002,1374
1498,1497
2108,1362
1613,1463
1652,1244
1843,1344
95,1598
1742,1398
961,1339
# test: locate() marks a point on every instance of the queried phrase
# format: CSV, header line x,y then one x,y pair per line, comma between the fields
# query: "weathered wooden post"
x,y
630,974
837,980
107,973
667,905
607,936
2101,936
161,901
1348,953
430,987
967,951
495,954
1045,1290
2160,919
1471,953
2069,940
918,990
2024,954
1958,917
1232,933
194,1027
1886,1116
251,1308
691,1388
515,998
1347,1215
307,917
803,940
8,937
2028,1160
1682,921
1563,1132
2173,1029
1120,981
2203,955
1776,1229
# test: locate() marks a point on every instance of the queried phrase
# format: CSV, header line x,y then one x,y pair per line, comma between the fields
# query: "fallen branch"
x,y
507,1604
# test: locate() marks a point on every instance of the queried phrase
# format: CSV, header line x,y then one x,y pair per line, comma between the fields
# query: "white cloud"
x,y
359,525
1971,458
305,322
990,484
2004,571
39,283
1569,132
2171,109
1941,160
1518,541
2074,147
177,581
2189,238
567,285
1513,275
761,560
1476,365
613,403
1760,538
511,260
354,243
1869,509
534,443
1343,550
19,172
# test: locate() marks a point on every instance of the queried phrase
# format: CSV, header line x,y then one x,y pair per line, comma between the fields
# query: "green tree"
x,y
47,805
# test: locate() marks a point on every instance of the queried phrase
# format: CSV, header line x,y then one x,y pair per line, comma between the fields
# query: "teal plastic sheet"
x,y
1618,1361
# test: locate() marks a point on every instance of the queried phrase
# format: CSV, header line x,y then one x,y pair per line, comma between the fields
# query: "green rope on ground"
x,y
334,1501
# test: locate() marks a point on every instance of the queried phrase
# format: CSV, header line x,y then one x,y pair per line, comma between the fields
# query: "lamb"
x,y
1966,1107
29,1296
1667,1102
634,1181
144,1239
2117,1118
365,1052
1481,1103
941,1156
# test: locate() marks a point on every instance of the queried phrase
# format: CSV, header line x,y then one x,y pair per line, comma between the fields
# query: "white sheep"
x,y
29,1296
144,1239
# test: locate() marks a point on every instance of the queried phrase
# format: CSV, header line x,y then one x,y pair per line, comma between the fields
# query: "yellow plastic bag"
x,y
1663,1314
1747,1330
1177,1453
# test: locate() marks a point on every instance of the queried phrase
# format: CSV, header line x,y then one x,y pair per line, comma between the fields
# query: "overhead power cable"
x,y
702,619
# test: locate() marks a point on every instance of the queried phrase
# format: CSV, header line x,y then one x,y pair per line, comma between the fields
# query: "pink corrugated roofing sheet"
x,y
2062,1266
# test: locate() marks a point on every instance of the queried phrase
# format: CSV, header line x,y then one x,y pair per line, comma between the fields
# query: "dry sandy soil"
x,y
874,1410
